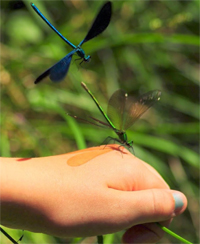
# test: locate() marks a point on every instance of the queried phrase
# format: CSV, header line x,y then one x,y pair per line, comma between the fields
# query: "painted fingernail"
x,y
178,201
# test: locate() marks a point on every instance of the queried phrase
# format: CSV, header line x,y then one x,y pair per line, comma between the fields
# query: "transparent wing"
x,y
123,110
135,108
105,124
116,108
99,122
100,23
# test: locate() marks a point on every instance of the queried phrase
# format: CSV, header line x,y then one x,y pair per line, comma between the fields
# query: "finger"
x,y
144,233
146,206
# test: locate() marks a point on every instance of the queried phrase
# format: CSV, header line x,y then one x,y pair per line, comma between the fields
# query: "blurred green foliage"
x,y
148,45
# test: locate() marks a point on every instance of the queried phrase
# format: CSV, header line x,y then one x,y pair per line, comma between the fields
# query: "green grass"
x,y
148,45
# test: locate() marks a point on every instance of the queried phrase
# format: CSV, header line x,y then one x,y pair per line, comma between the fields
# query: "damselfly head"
x,y
87,58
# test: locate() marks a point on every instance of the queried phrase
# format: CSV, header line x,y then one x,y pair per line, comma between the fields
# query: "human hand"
x,y
89,192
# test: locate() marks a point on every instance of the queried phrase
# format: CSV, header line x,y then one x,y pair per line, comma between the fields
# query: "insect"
x,y
59,70
122,112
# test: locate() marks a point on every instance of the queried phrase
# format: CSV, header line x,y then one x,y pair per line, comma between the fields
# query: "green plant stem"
x,y
173,234
100,239
8,236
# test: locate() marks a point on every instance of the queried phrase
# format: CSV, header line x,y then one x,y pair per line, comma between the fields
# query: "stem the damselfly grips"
x,y
173,234
10,237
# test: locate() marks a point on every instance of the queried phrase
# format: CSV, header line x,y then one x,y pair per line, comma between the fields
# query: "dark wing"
x,y
116,108
135,108
60,69
100,23
42,76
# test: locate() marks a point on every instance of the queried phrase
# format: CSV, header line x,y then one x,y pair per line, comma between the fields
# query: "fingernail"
x,y
178,201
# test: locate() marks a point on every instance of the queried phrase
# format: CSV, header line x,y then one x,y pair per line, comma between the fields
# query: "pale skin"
x,y
86,193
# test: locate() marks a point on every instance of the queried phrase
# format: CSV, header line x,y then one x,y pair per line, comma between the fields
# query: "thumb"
x,y
146,206
151,206
151,232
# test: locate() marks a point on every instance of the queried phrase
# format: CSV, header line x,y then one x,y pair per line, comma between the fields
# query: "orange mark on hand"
x,y
87,154
23,159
